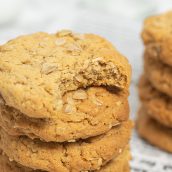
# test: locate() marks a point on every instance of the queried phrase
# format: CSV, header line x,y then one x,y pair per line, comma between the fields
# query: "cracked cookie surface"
x,y
89,154
154,132
157,28
37,70
120,164
89,112
158,74
157,104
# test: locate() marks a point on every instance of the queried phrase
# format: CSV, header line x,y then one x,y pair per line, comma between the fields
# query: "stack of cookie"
x,y
64,104
155,87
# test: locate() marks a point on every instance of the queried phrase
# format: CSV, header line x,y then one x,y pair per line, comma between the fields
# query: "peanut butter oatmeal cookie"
x,y
154,132
89,112
84,155
157,104
37,70
120,164
159,74
161,51
157,28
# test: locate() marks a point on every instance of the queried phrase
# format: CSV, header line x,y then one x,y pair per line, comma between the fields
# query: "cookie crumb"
x,y
80,95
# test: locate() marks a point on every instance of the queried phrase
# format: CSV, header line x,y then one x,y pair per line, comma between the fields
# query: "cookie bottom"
x,y
154,132
120,164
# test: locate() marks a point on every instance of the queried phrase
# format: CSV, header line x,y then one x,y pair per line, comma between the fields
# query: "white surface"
x,y
121,25
9,10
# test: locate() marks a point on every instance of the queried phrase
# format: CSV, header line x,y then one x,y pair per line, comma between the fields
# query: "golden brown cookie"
x,y
97,111
156,28
159,75
89,154
11,166
157,104
161,51
37,70
120,164
154,132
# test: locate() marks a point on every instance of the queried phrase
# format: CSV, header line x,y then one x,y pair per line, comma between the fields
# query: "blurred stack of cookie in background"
x,y
64,104
155,87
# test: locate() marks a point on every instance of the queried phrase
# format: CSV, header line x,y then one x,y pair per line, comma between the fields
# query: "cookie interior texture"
x,y
90,154
154,132
59,62
120,164
158,74
85,113
157,104
156,28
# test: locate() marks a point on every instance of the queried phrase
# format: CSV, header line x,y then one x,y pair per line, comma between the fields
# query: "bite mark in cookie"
x,y
37,70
